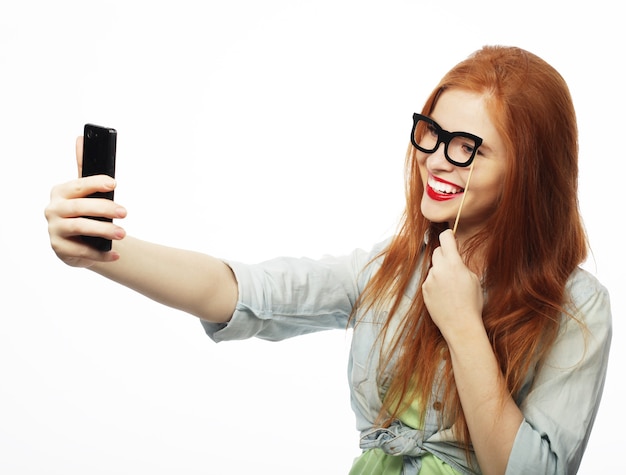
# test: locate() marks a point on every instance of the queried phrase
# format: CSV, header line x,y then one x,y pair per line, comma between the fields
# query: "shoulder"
x,y
585,283
587,323
371,260
587,298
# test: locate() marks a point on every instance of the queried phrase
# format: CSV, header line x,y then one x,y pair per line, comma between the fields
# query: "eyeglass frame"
x,y
444,136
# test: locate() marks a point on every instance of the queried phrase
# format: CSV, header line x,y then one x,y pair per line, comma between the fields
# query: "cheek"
x,y
420,160
490,189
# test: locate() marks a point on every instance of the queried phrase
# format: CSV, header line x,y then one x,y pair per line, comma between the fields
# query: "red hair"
x,y
532,242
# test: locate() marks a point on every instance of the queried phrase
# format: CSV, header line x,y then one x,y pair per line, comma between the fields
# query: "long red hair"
x,y
532,242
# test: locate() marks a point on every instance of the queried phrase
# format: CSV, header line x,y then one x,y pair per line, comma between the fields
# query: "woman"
x,y
479,345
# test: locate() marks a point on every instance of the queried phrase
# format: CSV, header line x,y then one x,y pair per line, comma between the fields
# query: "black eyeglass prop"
x,y
459,148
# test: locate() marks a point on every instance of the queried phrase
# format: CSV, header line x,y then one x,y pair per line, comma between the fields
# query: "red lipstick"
x,y
442,190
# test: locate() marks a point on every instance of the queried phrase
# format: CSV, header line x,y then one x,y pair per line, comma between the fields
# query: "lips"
x,y
441,190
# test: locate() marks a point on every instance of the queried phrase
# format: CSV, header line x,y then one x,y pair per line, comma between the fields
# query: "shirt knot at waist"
x,y
397,439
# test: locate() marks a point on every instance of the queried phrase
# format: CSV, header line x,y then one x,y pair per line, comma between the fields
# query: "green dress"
x,y
377,462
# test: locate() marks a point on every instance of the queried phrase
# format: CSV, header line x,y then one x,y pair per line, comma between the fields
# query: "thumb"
x,y
79,155
448,244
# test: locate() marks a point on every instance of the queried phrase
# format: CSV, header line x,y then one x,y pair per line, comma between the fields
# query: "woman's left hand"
x,y
452,292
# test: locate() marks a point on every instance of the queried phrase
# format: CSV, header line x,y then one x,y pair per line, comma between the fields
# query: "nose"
x,y
437,160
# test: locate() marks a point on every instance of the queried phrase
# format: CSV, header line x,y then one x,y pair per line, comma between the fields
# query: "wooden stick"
x,y
458,214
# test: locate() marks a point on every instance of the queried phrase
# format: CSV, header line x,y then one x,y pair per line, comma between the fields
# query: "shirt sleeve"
x,y
287,297
562,403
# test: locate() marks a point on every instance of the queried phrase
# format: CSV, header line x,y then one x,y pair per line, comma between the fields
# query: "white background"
x,y
247,129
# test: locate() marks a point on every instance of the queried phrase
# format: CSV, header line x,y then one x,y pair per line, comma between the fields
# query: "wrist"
x,y
467,336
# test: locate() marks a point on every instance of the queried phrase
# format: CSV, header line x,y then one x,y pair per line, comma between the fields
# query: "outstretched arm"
x,y
195,283
190,281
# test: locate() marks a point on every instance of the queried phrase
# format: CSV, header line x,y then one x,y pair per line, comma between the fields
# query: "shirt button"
x,y
437,406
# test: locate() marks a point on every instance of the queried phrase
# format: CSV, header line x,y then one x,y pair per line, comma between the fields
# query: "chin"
x,y
435,214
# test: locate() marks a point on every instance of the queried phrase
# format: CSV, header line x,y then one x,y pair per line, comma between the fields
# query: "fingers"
x,y
66,241
76,253
66,213
447,248
82,187
68,218
75,227
451,290
79,207
67,222
448,242
72,198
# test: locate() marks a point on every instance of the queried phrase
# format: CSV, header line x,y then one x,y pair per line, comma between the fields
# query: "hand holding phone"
x,y
99,151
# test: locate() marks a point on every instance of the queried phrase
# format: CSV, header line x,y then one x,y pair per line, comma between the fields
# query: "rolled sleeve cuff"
x,y
524,449
243,324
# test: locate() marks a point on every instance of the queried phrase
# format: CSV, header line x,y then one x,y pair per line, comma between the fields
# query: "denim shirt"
x,y
287,297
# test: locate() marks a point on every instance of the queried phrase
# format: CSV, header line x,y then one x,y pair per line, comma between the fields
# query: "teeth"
x,y
443,187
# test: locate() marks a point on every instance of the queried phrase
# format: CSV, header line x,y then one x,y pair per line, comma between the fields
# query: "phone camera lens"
x,y
89,134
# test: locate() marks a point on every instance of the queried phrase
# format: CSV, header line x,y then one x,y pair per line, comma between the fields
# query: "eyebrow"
x,y
483,146
450,130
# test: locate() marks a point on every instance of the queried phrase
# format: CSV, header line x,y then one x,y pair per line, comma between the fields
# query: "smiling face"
x,y
444,183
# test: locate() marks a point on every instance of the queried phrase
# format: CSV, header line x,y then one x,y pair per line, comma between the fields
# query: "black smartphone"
x,y
99,150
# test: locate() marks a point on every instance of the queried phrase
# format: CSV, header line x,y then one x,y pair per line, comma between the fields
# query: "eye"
x,y
468,147
432,130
